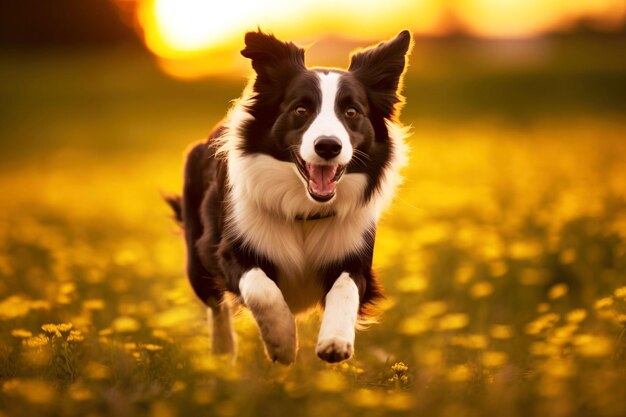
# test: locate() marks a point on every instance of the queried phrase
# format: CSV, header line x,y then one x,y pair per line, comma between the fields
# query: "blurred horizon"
x,y
452,78
192,39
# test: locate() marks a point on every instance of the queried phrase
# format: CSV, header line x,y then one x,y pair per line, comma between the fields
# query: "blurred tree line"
x,y
37,23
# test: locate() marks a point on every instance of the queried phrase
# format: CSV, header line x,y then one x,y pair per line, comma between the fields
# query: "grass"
x,y
503,256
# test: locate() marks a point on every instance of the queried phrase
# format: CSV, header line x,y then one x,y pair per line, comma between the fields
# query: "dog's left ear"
x,y
380,69
272,59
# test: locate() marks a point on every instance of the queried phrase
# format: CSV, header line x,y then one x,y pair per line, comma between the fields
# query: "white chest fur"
x,y
300,249
267,196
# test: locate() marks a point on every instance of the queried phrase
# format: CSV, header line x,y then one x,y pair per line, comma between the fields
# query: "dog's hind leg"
x,y
198,192
221,329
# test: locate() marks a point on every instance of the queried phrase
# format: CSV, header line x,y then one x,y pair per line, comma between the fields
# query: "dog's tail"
x,y
176,204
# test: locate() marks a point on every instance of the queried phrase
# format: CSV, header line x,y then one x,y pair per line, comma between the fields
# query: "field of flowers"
x,y
503,259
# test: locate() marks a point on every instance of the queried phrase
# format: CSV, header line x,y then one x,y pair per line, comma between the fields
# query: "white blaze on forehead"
x,y
327,123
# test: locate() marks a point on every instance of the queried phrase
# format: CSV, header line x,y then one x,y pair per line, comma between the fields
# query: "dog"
x,y
280,204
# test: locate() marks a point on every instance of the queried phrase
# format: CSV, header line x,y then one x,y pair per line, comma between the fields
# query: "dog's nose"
x,y
327,147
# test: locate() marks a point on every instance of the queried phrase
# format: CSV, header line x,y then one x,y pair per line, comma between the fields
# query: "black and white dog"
x,y
280,204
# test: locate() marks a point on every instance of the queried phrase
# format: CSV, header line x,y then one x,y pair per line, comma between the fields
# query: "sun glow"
x,y
175,28
198,37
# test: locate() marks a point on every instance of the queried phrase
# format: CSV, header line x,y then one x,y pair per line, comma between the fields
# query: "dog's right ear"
x,y
380,69
272,59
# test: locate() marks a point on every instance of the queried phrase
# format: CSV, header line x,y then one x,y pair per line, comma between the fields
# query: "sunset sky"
x,y
199,31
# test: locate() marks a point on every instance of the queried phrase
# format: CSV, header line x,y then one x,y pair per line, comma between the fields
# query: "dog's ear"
x,y
272,59
380,69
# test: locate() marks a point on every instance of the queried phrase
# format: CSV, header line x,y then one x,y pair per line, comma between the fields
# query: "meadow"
x,y
503,256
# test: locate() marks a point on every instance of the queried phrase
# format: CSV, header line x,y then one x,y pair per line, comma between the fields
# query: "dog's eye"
x,y
301,111
351,113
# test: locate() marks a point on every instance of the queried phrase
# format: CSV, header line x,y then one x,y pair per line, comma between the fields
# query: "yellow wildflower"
x,y
399,367
36,341
592,345
152,348
494,359
178,386
64,327
206,363
414,325
576,316
559,367
432,232
106,332
525,250
126,256
501,331
433,308
32,390
432,358
481,289
412,284
459,373
470,341
543,308
367,398
453,321
13,307
398,401
78,392
464,274
130,346
172,318
542,323
39,305
544,349
620,292
75,336
57,329
67,288
161,408
557,291
96,371
532,276
603,303
161,334
330,381
125,325
93,304
498,268
562,335
21,333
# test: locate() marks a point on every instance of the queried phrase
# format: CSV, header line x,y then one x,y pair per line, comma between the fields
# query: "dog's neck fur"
x,y
266,196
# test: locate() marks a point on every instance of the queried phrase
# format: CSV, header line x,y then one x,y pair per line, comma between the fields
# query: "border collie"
x,y
280,204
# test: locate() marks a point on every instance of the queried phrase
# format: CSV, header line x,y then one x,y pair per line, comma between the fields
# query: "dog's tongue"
x,y
321,178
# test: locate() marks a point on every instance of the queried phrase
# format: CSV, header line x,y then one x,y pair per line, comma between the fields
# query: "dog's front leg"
x,y
273,317
336,339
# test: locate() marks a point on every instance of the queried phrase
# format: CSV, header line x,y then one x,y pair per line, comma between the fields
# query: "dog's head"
x,y
327,122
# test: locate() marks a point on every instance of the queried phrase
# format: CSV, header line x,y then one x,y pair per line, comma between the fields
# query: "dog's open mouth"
x,y
321,179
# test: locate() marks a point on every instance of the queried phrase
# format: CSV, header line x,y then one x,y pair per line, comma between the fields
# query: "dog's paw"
x,y
279,337
283,353
334,349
